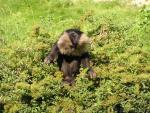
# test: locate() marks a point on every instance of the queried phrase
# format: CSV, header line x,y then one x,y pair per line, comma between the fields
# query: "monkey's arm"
x,y
52,55
85,61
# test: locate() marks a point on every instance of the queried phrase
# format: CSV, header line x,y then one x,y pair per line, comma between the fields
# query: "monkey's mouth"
x,y
73,46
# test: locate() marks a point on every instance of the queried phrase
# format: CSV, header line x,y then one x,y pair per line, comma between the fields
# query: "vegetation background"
x,y
120,54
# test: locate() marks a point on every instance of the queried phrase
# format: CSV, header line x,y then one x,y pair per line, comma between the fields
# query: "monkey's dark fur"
x,y
71,50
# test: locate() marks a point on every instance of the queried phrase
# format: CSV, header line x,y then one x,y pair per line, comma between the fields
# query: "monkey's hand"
x,y
48,60
92,74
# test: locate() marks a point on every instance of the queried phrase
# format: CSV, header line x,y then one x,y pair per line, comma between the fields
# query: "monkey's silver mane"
x,y
64,44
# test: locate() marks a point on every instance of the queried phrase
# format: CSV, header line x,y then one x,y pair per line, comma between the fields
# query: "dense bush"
x,y
120,56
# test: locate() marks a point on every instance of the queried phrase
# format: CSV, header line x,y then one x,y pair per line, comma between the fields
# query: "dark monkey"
x,y
71,50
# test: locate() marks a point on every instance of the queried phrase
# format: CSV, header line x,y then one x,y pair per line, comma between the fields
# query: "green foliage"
x,y
120,56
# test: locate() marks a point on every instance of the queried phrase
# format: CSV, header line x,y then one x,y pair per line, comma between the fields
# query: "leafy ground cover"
x,y
120,54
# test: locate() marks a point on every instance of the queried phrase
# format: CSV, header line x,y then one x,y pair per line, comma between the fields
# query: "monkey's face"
x,y
73,44
74,38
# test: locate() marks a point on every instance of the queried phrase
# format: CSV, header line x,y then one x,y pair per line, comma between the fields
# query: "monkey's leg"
x,y
85,61
75,66
52,55
65,68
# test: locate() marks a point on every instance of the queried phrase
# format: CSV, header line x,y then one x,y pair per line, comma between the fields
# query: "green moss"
x,y
120,56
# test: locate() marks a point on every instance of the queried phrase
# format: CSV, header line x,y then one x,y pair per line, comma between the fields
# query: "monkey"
x,y
70,52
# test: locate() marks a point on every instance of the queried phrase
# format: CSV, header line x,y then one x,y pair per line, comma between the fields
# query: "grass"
x,y
120,54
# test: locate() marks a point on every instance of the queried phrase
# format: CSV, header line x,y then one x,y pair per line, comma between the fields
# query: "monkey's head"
x,y
73,42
